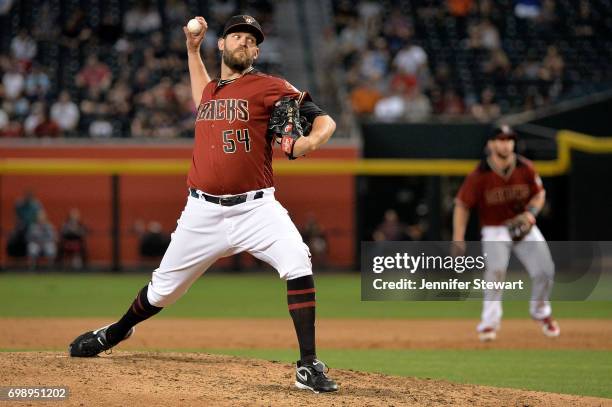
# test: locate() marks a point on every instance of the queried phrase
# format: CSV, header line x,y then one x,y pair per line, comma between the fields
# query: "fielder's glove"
x,y
286,125
520,226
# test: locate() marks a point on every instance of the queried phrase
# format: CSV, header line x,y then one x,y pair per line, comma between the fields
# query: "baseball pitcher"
x,y
231,206
508,194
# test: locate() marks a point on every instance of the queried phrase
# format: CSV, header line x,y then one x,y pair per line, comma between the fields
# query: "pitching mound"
x,y
164,379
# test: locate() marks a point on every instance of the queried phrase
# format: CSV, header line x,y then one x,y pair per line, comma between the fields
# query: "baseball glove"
x,y
519,226
286,125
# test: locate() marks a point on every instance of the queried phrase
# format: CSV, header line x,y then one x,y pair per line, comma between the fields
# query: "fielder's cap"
x,y
503,132
244,23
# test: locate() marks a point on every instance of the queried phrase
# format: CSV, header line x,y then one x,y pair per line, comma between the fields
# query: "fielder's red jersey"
x,y
500,196
232,153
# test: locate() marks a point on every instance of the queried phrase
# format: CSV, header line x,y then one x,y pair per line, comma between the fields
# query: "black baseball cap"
x,y
244,23
503,132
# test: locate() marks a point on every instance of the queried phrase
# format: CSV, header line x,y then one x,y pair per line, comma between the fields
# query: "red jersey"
x,y
498,196
232,152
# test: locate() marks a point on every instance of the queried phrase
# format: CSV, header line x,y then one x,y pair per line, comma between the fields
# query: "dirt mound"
x,y
163,379
156,334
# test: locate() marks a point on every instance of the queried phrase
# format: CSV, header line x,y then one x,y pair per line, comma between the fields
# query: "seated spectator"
x,y
72,245
47,127
585,24
370,13
453,103
110,30
101,127
459,8
13,129
66,113
552,65
13,82
120,98
352,39
529,9
142,19
23,48
34,118
530,68
487,109
397,30
76,30
163,126
417,107
42,240
391,228
37,83
176,12
153,241
412,59
534,99
474,39
93,103
412,62
497,66
375,60
405,81
548,18
489,35
364,98
26,212
391,108
94,74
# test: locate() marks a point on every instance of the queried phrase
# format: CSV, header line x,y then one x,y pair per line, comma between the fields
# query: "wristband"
x,y
533,210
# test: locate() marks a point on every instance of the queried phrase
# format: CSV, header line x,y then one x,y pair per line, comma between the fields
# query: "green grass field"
x,y
218,295
221,295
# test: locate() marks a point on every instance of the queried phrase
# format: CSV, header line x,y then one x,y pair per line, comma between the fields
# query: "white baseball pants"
x,y
536,258
207,231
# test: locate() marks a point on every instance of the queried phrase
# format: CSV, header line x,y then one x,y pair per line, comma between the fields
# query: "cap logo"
x,y
249,19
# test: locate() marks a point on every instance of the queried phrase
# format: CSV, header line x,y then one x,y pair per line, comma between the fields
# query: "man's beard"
x,y
235,63
503,155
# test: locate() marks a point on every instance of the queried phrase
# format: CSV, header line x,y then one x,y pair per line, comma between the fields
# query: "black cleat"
x,y
311,376
92,343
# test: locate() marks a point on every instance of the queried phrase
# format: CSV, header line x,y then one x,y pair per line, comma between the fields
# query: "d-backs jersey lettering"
x,y
498,196
232,153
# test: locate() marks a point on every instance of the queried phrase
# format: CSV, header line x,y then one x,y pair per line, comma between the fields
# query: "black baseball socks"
x,y
140,310
301,301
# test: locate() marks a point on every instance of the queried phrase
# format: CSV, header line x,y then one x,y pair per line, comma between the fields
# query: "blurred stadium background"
x,y
96,117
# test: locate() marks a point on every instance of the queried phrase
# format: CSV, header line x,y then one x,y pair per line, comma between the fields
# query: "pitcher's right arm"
x,y
197,71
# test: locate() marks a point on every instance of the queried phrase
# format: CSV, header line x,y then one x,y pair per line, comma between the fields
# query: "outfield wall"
x,y
158,196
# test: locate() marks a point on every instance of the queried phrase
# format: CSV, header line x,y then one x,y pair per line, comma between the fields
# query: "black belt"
x,y
224,201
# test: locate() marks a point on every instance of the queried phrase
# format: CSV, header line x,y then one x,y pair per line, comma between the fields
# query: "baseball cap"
x,y
244,23
503,132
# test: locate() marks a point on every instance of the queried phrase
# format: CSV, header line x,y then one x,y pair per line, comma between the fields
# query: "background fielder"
x,y
231,206
508,194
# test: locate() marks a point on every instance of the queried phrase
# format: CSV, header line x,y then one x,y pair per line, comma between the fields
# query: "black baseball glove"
x,y
286,125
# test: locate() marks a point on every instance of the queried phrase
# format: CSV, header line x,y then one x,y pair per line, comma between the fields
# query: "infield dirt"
x,y
159,334
151,378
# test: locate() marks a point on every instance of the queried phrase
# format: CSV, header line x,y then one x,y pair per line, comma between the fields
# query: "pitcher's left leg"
x,y
268,233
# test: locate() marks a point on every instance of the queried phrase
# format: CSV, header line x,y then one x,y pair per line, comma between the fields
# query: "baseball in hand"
x,y
194,26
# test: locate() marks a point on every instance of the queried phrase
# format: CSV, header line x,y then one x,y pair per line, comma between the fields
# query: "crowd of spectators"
x,y
410,61
120,71
35,238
